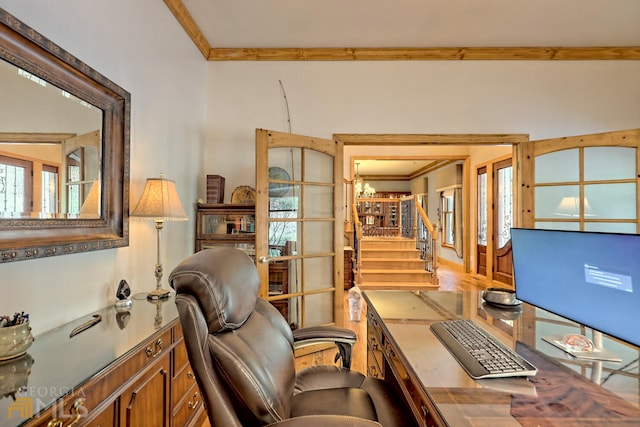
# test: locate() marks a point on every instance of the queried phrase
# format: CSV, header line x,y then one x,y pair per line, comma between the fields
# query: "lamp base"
x,y
158,294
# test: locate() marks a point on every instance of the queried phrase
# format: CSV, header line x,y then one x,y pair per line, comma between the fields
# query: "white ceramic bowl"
x,y
15,340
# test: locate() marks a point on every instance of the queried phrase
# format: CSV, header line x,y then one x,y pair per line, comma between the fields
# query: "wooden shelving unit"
x,y
381,214
226,225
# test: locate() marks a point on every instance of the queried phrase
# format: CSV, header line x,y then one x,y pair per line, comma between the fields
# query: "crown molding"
x,y
540,53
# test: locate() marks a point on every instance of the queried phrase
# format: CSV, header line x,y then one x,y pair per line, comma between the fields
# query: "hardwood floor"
x,y
449,280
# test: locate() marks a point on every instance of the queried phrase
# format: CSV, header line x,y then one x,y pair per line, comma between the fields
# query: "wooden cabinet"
x,y
379,216
384,361
226,225
381,211
348,268
150,385
375,365
185,395
279,285
146,401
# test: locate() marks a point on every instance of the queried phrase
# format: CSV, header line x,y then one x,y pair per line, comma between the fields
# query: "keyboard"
x,y
480,353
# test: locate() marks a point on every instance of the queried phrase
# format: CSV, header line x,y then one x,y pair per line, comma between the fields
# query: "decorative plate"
x,y
244,195
278,189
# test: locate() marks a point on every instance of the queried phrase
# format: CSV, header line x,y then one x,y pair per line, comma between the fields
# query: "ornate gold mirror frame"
x,y
35,237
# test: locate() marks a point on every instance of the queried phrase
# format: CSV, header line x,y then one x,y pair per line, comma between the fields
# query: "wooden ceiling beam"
x,y
430,139
427,54
185,19
432,167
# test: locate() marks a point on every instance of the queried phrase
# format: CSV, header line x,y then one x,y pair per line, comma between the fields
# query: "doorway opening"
x,y
467,148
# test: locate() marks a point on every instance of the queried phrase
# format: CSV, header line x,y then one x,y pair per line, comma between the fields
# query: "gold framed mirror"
x,y
64,150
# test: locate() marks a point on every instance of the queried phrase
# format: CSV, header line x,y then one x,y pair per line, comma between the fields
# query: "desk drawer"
x,y
374,356
89,398
180,357
190,405
182,383
374,326
419,403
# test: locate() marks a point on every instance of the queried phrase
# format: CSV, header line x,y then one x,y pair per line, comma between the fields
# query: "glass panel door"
x,y
300,253
482,223
591,186
503,220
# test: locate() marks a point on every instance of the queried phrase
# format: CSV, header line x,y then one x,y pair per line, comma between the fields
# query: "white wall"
x,y
542,98
140,46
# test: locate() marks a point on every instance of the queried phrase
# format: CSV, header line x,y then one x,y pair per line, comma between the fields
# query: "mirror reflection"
x,y
50,150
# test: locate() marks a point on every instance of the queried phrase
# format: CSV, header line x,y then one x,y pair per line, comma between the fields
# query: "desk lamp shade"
x,y
91,206
159,203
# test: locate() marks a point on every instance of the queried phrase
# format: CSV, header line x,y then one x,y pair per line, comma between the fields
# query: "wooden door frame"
x,y
522,148
496,165
619,138
274,139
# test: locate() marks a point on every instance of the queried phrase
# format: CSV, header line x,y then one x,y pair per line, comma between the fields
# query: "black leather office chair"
x,y
241,350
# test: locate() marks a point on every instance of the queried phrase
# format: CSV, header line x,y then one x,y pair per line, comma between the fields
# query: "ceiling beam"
x,y
427,54
432,167
429,139
185,19
35,137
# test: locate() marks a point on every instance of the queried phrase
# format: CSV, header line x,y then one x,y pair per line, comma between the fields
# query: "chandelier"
x,y
362,189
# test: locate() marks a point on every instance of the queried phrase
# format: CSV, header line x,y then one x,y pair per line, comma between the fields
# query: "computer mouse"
x,y
577,342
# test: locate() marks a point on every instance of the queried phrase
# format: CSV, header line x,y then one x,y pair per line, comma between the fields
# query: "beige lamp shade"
x,y
91,205
160,202
570,206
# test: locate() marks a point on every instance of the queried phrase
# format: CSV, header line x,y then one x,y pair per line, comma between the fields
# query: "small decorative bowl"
x,y
501,297
15,340
15,375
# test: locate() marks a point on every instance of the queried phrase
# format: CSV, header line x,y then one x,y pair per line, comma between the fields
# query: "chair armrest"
x,y
325,421
343,338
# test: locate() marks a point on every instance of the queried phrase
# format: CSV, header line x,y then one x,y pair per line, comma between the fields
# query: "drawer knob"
x,y
151,353
196,402
77,408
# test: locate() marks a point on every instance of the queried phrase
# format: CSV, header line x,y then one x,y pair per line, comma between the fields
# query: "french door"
x,y
503,220
299,239
586,183
494,220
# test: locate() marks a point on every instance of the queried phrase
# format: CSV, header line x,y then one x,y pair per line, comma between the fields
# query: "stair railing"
x,y
408,217
357,238
426,242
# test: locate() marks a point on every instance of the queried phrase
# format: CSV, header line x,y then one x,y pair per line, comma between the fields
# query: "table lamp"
x,y
91,206
159,203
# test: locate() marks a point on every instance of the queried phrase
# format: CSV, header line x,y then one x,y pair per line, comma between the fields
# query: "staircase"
x,y
393,263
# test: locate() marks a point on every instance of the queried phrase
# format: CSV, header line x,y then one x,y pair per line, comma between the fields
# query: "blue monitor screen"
x,y
588,277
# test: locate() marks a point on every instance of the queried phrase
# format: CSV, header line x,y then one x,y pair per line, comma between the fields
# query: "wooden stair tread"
x,y
392,250
394,271
396,285
393,263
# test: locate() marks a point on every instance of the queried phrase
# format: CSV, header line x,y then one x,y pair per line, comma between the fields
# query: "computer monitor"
x,y
589,277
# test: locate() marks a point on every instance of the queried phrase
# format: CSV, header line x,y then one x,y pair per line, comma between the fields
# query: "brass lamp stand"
x,y
159,202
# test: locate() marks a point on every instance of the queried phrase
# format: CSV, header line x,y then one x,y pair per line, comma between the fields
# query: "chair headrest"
x,y
225,283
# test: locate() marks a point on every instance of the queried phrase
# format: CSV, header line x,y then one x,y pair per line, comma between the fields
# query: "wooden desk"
x,y
565,392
